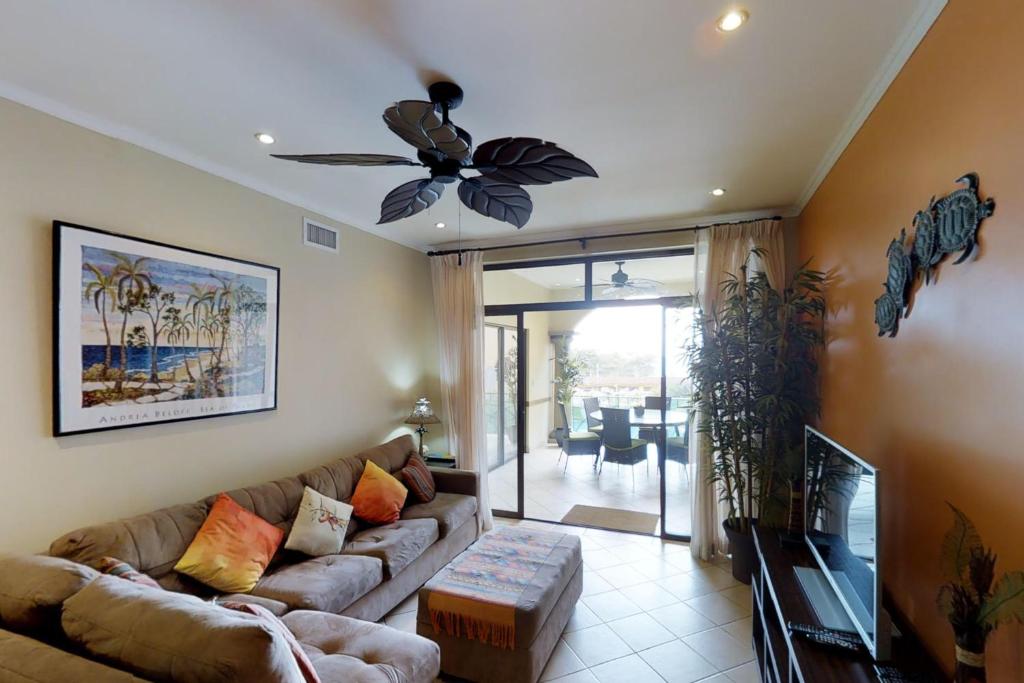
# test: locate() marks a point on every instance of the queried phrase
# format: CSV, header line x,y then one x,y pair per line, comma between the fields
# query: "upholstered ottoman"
x,y
498,609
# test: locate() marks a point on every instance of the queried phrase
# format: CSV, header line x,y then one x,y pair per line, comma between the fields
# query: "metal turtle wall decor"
x,y
948,225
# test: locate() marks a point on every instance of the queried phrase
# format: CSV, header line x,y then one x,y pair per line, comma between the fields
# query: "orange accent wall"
x,y
940,408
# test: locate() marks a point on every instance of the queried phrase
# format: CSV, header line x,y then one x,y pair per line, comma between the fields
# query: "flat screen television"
x,y
841,528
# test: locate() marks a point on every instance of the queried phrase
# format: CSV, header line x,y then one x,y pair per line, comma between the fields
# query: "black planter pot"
x,y
744,556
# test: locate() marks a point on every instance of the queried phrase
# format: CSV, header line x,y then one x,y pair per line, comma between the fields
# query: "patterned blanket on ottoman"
x,y
476,595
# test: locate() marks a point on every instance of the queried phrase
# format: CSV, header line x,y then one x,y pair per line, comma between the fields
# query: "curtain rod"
x,y
583,240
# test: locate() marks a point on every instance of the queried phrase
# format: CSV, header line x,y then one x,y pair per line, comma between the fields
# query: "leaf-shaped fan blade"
x,y
418,123
409,199
348,159
528,161
495,199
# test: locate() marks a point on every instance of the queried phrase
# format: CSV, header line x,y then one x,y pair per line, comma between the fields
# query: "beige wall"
x,y
938,407
357,336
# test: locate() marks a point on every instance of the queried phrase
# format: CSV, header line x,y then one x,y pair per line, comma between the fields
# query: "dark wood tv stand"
x,y
778,599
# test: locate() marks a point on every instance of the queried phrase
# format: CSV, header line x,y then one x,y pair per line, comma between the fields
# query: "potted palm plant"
x,y
754,368
571,368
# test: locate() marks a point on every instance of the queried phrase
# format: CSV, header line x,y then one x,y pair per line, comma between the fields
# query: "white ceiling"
x,y
660,103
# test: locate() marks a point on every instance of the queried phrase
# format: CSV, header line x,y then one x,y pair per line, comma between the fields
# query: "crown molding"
x,y
524,237
927,12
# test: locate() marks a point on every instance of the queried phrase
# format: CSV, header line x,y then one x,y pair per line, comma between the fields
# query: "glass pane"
x,y
534,285
678,471
500,411
643,278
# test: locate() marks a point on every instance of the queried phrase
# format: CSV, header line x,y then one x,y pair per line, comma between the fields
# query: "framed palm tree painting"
x,y
146,332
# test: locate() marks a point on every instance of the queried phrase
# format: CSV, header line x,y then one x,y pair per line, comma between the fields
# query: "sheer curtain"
x,y
459,309
720,250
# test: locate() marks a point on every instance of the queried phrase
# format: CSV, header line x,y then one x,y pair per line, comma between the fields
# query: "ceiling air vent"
x,y
319,236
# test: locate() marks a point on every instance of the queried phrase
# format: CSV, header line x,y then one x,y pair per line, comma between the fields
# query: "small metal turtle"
x,y
925,249
888,311
901,270
957,216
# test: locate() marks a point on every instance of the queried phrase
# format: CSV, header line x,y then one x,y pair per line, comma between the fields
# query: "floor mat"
x,y
612,518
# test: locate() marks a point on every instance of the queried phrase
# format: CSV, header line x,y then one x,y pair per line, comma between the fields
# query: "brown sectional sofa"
x,y
377,569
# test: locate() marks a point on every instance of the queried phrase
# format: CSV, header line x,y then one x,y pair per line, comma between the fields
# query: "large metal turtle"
x,y
957,216
926,242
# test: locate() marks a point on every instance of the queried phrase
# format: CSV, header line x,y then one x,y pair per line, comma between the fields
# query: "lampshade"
x,y
422,414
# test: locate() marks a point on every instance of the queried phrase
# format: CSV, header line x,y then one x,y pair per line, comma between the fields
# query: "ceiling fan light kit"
x,y
504,165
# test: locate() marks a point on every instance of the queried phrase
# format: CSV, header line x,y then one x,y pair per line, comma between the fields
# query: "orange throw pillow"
x,y
232,549
379,496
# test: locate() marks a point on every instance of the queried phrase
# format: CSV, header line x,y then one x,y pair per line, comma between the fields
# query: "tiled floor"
x,y
649,612
552,488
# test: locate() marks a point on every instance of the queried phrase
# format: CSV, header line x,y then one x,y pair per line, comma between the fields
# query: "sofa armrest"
x,y
455,481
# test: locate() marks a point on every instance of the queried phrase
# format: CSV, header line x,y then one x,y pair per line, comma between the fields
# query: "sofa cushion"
x,y
338,479
33,588
152,543
172,637
232,549
26,660
262,613
344,649
396,544
274,501
451,511
328,584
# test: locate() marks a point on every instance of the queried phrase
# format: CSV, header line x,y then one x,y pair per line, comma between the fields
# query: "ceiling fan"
x,y
504,164
622,286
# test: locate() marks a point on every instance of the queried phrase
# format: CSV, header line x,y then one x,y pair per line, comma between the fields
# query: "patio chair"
x,y
619,446
577,443
678,448
592,405
654,403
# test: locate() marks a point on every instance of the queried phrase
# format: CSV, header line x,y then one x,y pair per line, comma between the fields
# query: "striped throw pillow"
x,y
123,570
418,479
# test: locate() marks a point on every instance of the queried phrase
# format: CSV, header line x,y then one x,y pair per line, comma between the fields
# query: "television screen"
x,y
841,528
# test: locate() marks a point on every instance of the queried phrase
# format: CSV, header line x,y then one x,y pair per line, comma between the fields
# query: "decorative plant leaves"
x,y
349,159
957,546
528,161
495,199
418,123
409,199
1006,602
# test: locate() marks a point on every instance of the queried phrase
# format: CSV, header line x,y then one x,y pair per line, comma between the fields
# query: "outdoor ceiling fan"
x,y
504,164
622,286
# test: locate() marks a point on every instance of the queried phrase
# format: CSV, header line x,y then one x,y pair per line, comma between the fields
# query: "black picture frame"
x,y
114,404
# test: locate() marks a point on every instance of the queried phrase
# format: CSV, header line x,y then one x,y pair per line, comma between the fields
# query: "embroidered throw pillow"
x,y
275,624
123,570
232,549
418,479
319,527
378,497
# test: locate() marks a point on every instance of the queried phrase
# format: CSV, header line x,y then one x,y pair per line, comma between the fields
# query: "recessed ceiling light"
x,y
558,284
438,225
732,20
718,191
265,138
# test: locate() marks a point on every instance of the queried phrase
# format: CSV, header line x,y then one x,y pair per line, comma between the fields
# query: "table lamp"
x,y
421,416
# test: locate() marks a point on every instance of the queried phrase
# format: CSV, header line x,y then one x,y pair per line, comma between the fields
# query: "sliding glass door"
x,y
502,411
676,388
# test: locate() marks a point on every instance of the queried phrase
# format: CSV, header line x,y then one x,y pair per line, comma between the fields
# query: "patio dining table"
x,y
651,417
